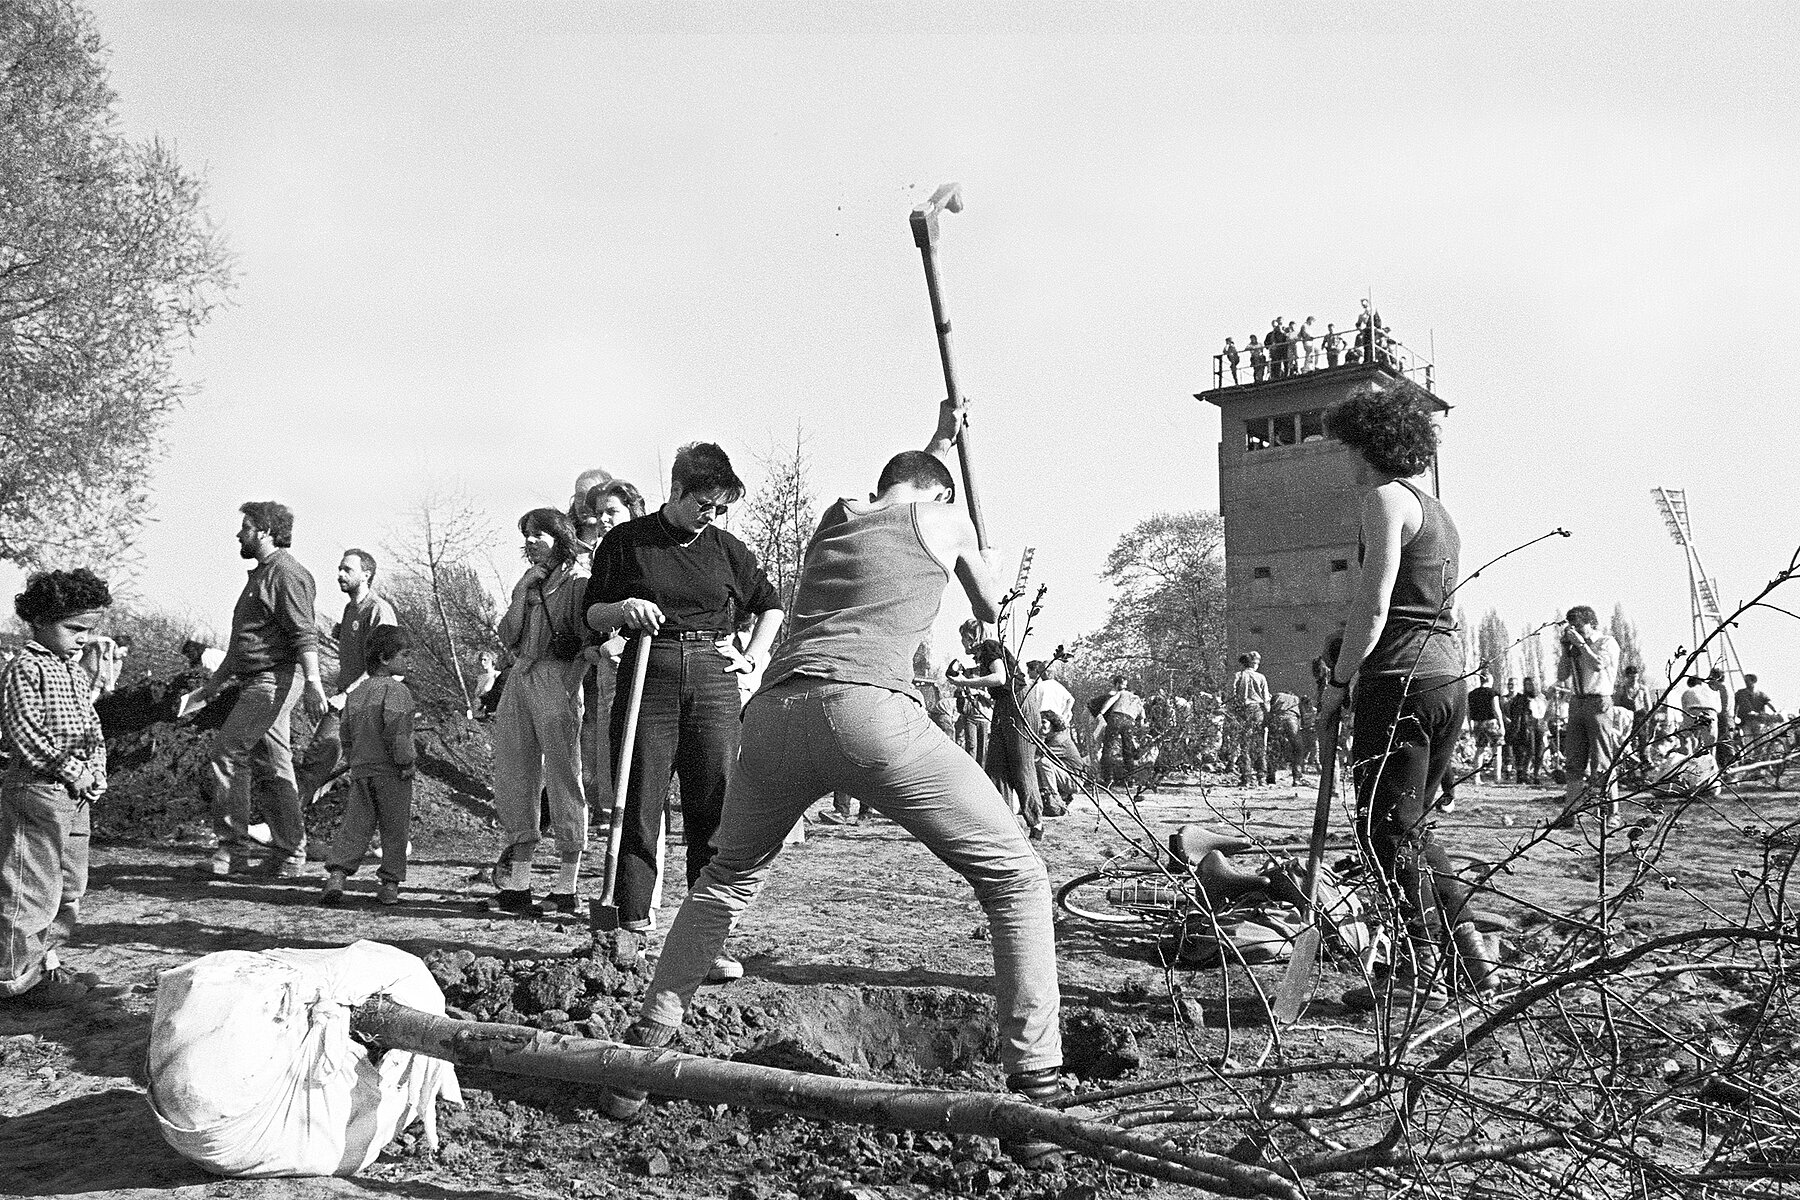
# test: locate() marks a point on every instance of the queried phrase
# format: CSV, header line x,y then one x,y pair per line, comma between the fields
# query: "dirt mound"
x,y
155,765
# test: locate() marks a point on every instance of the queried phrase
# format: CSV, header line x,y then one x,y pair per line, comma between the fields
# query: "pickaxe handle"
x,y
924,227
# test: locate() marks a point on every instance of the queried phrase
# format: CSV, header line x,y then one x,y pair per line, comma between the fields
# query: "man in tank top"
x,y
838,709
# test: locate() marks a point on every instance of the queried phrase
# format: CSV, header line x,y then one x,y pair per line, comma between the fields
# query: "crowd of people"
x,y
657,631
1289,348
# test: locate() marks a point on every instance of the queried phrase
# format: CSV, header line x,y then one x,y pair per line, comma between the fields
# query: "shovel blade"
x,y
1296,983
602,917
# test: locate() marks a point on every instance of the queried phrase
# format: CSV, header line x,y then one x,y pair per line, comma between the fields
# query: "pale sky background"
x,y
495,244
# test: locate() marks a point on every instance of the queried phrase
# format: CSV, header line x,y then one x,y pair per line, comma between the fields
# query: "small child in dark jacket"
x,y
378,747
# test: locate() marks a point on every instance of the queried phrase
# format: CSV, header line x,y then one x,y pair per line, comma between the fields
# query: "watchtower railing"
x,y
1359,346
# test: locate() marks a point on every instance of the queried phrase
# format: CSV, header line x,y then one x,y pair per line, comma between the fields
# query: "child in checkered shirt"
x,y
57,769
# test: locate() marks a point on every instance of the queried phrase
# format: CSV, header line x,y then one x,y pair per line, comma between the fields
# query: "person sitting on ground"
x,y
378,750
1400,649
52,737
870,587
537,731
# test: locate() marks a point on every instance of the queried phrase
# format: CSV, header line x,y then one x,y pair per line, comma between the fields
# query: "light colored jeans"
x,y
43,874
1588,747
258,726
537,744
809,736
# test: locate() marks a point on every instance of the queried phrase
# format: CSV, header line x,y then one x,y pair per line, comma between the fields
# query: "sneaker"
x,y
561,902
517,902
1039,1087
56,988
623,1103
220,865
388,894
333,895
724,969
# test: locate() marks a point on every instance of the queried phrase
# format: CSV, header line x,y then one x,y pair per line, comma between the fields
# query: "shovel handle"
x,y
927,242
615,833
1315,852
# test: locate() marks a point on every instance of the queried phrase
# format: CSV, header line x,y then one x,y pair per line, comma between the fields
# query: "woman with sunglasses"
x,y
678,578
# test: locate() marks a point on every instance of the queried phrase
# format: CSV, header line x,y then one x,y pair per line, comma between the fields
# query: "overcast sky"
x,y
495,244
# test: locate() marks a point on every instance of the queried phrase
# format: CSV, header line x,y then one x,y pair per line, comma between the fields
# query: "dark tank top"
x,y
869,594
1419,638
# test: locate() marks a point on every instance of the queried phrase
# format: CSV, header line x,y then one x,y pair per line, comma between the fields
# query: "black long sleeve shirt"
x,y
706,585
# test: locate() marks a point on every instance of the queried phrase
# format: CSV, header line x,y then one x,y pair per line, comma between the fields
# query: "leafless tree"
x,y
434,553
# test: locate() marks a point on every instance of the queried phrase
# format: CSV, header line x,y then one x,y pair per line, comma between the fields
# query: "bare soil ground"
x,y
864,956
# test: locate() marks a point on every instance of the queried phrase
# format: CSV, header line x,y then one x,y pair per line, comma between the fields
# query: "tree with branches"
x,y
781,514
1166,621
437,591
108,264
1495,646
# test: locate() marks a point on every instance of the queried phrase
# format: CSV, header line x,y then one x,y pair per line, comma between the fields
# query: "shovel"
x,y
1296,984
603,914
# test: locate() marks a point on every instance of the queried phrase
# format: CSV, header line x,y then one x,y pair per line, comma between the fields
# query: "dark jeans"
x,y
1527,749
1119,748
1405,734
687,726
1012,765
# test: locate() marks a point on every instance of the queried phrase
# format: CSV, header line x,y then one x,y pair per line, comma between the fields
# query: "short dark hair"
x,y
50,596
385,641
918,468
1582,614
628,495
972,626
1747,678
704,467
363,556
1392,429
556,523
273,518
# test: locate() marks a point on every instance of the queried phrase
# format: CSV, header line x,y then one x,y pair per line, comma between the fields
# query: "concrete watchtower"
x,y
1289,494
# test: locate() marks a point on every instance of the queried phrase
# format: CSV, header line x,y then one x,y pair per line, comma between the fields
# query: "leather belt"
x,y
692,635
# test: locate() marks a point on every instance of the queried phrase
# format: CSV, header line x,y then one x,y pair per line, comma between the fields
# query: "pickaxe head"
x,y
948,198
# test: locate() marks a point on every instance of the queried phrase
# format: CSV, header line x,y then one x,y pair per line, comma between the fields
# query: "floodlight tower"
x,y
1703,591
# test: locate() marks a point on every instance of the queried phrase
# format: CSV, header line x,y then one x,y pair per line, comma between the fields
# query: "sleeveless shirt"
x,y
1419,638
869,594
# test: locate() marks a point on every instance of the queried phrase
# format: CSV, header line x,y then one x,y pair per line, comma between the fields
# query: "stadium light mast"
x,y
1703,591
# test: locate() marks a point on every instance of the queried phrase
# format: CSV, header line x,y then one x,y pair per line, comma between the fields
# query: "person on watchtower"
x,y
1400,650
871,584
679,579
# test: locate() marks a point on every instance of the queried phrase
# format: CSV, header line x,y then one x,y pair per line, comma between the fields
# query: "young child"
x,y
378,747
58,768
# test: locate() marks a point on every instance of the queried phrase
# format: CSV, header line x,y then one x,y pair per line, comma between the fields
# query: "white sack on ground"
x,y
253,1071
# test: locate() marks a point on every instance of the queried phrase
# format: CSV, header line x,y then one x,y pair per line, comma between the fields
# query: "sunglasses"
x,y
704,507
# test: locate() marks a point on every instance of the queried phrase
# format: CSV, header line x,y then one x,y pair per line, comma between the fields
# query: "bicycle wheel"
x,y
1149,896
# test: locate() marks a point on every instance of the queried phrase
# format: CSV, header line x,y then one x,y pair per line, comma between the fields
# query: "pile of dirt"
x,y
155,766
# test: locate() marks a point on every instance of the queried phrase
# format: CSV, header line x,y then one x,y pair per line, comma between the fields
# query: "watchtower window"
x,y
1340,564
1260,573
1284,429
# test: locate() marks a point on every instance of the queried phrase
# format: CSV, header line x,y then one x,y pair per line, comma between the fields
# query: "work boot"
x,y
622,1104
1477,963
1039,1087
724,969
561,902
388,894
54,989
333,895
515,901
1412,986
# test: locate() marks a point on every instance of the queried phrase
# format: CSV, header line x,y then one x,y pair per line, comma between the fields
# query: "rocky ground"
x,y
864,957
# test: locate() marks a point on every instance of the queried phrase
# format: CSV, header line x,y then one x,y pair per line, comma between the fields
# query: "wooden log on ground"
x,y
517,1050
